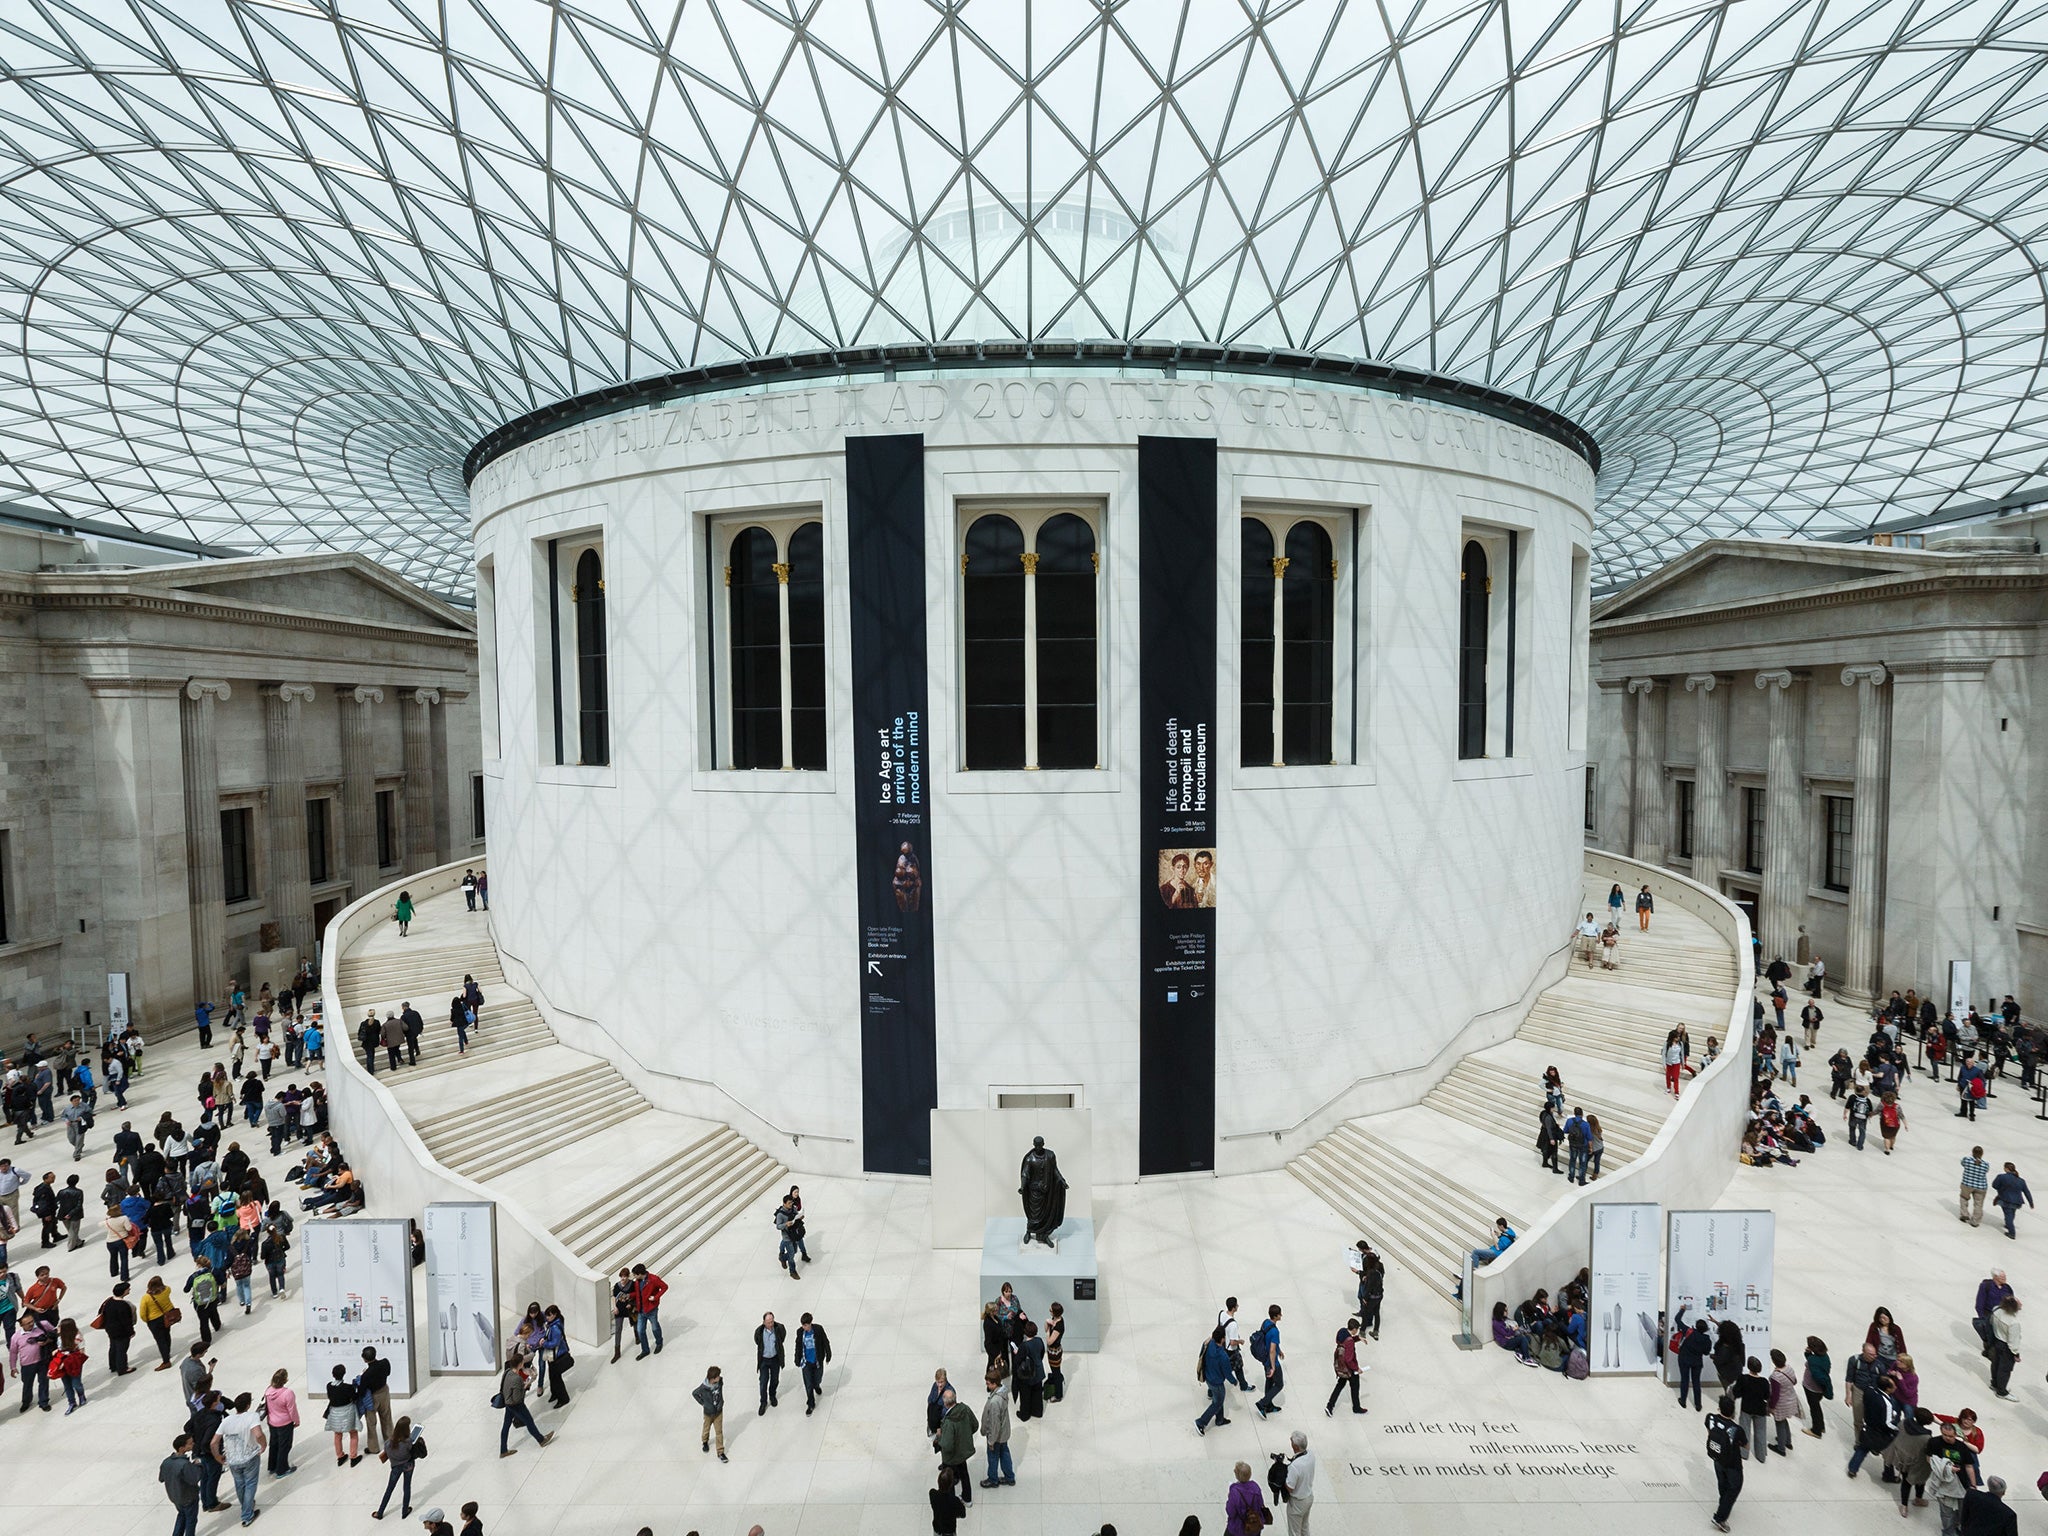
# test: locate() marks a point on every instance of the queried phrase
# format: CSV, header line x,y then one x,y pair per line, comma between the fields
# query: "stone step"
x,y
746,1185
1648,1058
646,1215
506,1120
553,1136
616,1207
1515,1122
1639,1123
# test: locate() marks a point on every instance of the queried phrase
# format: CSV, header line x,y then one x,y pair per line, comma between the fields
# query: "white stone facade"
x,y
1897,680
140,702
706,917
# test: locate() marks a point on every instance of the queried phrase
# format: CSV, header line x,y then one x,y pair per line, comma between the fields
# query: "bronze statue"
x,y
1044,1193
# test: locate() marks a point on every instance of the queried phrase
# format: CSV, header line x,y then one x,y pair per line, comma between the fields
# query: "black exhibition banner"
x,y
899,1056
1177,859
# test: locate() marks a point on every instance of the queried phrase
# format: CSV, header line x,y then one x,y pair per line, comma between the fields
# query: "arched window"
x,y
1064,600
1256,657
592,715
807,646
1308,639
1474,604
993,664
754,649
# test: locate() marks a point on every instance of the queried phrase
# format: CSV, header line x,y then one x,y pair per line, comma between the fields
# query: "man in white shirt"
x,y
1233,1340
1589,939
239,1442
11,1181
1301,1485
1816,973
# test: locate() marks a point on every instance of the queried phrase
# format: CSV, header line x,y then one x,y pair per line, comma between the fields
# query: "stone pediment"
x,y
1727,572
347,587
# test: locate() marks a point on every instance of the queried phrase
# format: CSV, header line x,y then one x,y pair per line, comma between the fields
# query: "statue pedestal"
x,y
1041,1276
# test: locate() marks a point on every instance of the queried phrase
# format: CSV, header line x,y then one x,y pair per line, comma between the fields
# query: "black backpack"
x,y
1722,1443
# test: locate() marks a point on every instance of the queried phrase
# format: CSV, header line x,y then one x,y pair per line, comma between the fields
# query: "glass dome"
x,y
269,267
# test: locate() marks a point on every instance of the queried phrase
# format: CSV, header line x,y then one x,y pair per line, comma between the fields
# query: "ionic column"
x,y
204,880
420,849
1649,818
1784,882
358,786
1710,848
1873,785
284,757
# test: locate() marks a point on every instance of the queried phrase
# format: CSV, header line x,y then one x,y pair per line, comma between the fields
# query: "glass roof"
x,y
269,267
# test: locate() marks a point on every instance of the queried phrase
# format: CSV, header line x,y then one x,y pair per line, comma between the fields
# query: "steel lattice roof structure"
x,y
268,268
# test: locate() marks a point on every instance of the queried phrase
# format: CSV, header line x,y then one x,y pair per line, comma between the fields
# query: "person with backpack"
x,y
1212,1369
1344,1361
204,1290
1577,1135
1856,1113
1891,1119
1266,1350
1726,1444
1233,1341
1244,1507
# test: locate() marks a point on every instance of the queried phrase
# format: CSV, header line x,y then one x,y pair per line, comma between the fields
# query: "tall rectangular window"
x,y
487,654
1294,648
235,829
577,680
476,807
1488,635
316,840
1592,799
1029,670
387,829
768,655
1840,811
7,918
1753,830
1684,810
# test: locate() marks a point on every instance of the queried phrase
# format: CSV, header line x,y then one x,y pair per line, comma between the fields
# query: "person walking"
x,y
648,1289
1265,1347
2005,1344
1856,1112
469,888
1344,1361
555,1340
402,910
957,1425
1244,1506
239,1443
1674,1062
405,1448
1891,1119
1818,1383
813,1352
768,1356
995,1435
787,1225
512,1395
2008,1190
281,1418
179,1474
710,1396
947,1509
1810,1019
1645,906
158,1311
1976,1180
1214,1373
1726,1444
1881,1417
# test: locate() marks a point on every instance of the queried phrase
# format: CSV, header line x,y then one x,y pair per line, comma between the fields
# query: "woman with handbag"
x,y
406,1447
556,1342
159,1312
1244,1509
343,1417
281,1413
116,1319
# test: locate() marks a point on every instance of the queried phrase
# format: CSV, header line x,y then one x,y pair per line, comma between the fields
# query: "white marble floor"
x,y
1448,1447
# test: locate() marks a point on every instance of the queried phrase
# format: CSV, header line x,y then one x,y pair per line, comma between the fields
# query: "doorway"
x,y
323,914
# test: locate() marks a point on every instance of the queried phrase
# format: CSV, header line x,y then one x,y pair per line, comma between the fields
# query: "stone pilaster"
x,y
284,757
358,787
1711,847
1860,971
421,851
1649,819
204,882
1785,820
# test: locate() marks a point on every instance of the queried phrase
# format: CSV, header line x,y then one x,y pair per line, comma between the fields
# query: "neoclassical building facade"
x,y
212,758
1840,738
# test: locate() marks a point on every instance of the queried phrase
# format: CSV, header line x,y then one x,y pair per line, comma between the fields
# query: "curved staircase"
x,y
521,1110
1424,1183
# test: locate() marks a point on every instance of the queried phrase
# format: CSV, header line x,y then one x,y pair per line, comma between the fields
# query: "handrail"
x,y
1675,1165
795,1137
381,1140
1442,1051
